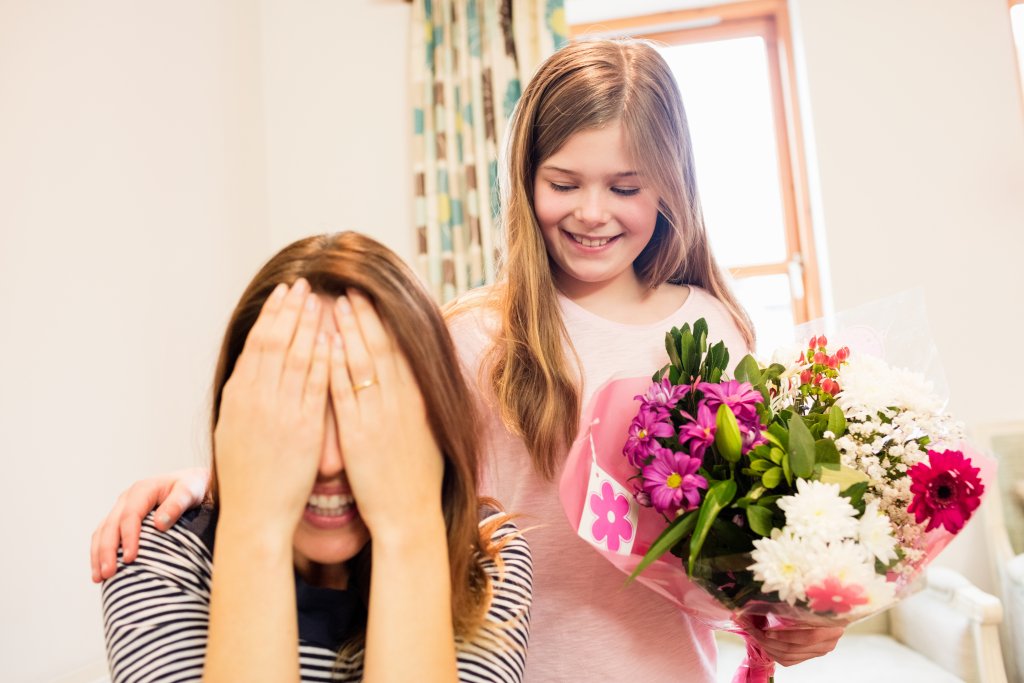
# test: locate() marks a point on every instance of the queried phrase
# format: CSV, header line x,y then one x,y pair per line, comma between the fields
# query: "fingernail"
x,y
311,301
321,338
337,341
344,306
163,518
103,568
279,291
301,285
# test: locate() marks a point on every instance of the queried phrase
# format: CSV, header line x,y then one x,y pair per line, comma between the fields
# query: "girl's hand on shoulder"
x,y
792,645
392,460
270,429
174,493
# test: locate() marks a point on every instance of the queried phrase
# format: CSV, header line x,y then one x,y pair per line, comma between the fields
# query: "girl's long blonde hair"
x,y
587,85
333,264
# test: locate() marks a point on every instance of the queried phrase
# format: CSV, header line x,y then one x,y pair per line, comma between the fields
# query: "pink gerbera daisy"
x,y
831,595
946,489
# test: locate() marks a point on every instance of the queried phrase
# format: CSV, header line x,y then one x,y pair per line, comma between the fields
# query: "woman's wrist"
x,y
411,534
263,539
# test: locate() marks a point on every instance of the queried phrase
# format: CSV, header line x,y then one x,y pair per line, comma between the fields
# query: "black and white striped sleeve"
x,y
498,653
156,610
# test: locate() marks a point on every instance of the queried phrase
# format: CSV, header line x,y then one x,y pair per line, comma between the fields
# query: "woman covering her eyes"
x,y
343,538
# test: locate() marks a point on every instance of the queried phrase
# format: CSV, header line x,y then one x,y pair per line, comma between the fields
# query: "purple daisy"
x,y
696,436
663,393
649,424
741,398
672,481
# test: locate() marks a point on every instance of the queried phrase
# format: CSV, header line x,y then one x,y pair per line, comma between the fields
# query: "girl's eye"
x,y
626,192
561,188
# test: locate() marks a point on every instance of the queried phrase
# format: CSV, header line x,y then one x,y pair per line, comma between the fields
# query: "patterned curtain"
x,y
469,61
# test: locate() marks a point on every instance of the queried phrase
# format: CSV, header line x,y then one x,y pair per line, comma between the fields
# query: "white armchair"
x,y
1003,516
945,633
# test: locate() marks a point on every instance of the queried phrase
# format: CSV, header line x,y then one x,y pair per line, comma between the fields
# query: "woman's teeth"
x,y
333,505
591,243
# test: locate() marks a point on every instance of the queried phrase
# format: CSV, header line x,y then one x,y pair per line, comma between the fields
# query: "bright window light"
x,y
725,87
1017,21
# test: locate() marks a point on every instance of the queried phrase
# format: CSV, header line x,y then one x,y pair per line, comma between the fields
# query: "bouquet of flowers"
x,y
811,491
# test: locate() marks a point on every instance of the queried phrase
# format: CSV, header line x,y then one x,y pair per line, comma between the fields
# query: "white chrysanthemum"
x,y
781,564
870,385
790,356
880,593
875,534
817,511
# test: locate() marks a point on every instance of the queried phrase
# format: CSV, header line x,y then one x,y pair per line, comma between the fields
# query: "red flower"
x,y
946,490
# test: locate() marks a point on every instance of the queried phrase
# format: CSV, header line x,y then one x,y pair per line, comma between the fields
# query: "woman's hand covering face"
x,y
393,463
270,431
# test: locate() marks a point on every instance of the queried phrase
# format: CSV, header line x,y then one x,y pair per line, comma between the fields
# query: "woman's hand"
x,y
789,645
270,430
392,460
394,468
174,493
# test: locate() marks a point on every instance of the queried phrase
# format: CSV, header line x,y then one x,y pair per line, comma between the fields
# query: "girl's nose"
x,y
591,211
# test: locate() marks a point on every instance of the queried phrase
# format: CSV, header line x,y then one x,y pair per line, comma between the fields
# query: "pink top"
x,y
586,624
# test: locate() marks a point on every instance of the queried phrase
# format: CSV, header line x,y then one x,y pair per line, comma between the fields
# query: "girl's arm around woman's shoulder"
x,y
498,651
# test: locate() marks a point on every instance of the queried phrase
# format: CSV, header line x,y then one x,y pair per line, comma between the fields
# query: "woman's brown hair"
x,y
583,86
334,264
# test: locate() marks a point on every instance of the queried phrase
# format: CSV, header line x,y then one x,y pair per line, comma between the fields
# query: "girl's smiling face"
x,y
595,213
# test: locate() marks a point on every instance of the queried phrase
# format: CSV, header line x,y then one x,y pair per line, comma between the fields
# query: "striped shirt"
x,y
156,612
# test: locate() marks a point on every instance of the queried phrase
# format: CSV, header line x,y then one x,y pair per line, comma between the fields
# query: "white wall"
x,y
152,154
132,211
336,98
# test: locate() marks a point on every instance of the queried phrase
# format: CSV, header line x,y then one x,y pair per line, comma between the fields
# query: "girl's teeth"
x,y
591,243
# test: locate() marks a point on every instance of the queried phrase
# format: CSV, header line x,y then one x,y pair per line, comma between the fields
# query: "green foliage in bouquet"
x,y
755,436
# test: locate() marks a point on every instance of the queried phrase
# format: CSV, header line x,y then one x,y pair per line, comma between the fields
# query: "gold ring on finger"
x,y
356,388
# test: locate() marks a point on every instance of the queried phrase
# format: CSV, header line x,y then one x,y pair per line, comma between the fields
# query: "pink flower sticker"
x,y
611,511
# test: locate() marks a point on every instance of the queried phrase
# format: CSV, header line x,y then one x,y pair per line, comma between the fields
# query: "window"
x,y
734,67
1017,23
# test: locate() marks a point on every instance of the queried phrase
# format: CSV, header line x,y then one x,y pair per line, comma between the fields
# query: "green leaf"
x,y
840,474
760,520
772,478
775,455
777,433
670,346
727,434
836,422
801,448
748,371
718,496
787,471
855,492
673,533
825,452
700,333
687,353
761,466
